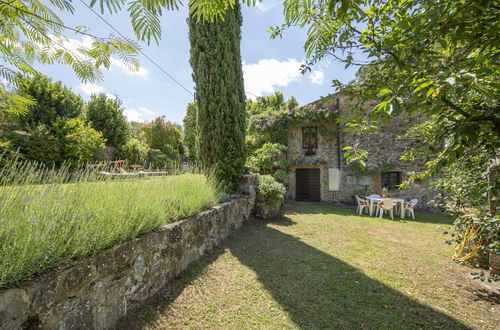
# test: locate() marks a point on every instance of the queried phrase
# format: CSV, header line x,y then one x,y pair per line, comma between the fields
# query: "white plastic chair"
x,y
410,207
362,203
386,205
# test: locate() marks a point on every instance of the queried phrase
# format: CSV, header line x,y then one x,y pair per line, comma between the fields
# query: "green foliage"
x,y
274,125
135,130
488,231
33,34
465,184
274,103
80,140
218,76
158,159
475,237
46,222
212,11
268,159
165,136
190,132
262,109
42,145
434,61
270,190
134,151
53,101
13,103
53,128
281,175
437,61
8,151
106,115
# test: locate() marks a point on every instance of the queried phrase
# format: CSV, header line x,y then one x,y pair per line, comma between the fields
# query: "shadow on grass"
x,y
320,291
325,209
155,306
315,289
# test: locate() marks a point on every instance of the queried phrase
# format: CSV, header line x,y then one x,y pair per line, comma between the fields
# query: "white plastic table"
x,y
373,200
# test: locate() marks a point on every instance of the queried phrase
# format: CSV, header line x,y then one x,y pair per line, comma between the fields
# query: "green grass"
x,y
46,225
323,267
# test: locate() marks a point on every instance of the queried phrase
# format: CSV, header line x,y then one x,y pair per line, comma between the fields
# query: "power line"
x,y
140,51
47,37
246,92
53,22
97,37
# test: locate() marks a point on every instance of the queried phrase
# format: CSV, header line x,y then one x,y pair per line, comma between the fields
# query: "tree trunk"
x,y
493,197
493,178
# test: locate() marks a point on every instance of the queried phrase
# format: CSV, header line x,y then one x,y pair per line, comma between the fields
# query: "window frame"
x,y
389,181
309,146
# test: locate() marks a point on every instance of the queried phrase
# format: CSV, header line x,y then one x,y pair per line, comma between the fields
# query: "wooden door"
x,y
307,185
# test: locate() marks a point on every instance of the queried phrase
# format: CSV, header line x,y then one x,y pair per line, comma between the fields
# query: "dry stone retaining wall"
x,y
93,293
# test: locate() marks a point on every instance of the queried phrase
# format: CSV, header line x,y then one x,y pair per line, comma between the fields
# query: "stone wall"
x,y
326,156
385,145
93,293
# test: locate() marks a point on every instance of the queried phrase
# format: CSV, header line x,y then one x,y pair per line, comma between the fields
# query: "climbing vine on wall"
x,y
277,124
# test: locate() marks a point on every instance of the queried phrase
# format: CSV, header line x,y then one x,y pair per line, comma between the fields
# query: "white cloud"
x,y
267,74
90,88
139,114
317,77
117,63
70,45
111,96
265,5
74,46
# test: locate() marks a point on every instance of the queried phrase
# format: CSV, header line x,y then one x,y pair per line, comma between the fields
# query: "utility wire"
x,y
251,94
97,37
47,37
52,21
140,51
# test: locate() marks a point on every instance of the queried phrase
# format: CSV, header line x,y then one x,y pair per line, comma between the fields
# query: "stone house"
x,y
318,170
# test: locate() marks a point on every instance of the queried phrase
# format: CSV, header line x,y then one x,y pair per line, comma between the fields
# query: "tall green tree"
x,y
79,140
272,103
106,115
42,145
190,131
163,135
262,109
220,96
53,101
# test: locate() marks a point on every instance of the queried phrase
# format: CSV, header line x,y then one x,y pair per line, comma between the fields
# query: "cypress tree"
x,y
218,77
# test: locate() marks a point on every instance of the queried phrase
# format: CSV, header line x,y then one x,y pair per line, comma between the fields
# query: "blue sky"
x,y
269,65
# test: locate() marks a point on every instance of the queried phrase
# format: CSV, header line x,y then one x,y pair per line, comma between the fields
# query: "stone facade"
x,y
93,293
384,146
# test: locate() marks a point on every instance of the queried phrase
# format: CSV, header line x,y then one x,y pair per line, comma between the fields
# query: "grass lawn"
x,y
324,267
